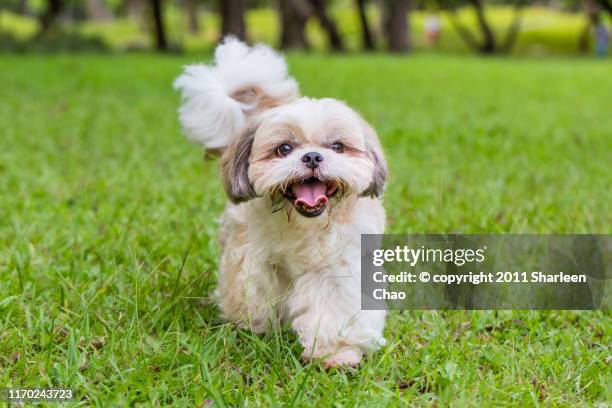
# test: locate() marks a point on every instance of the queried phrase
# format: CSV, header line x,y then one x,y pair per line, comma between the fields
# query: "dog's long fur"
x,y
277,264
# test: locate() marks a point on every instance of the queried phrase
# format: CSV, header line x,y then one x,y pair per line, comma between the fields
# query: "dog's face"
x,y
308,153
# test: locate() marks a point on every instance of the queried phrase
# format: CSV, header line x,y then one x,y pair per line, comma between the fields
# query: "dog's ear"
x,y
235,167
380,172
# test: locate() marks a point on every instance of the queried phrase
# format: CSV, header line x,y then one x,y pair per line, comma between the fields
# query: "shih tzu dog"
x,y
303,177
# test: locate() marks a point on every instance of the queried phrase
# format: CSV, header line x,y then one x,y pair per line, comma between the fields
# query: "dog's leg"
x,y
324,309
248,291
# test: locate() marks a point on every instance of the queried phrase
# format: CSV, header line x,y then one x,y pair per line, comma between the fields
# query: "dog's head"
x,y
306,154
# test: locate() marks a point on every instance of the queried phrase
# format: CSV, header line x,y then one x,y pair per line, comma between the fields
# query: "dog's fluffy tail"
x,y
216,99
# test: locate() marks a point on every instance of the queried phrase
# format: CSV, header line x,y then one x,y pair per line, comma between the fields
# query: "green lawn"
x,y
108,232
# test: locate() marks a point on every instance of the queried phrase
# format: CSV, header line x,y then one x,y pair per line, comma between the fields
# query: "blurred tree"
x,y
232,18
49,18
367,36
489,43
159,29
22,7
294,14
97,10
191,11
488,38
319,8
396,25
606,5
592,10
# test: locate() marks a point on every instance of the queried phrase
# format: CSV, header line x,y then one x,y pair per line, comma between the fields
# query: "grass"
x,y
108,232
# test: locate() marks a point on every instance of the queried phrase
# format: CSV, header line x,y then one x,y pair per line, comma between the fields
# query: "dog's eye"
x,y
284,149
337,147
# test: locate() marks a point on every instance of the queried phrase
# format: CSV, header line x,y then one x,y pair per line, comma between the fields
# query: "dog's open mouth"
x,y
310,197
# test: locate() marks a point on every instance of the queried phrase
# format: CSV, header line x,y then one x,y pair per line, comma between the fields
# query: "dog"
x,y
304,178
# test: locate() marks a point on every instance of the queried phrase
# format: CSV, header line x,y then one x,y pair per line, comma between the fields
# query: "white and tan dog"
x,y
303,176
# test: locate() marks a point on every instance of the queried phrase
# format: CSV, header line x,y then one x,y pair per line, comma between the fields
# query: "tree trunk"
x,y
294,14
513,30
161,43
97,10
232,18
367,37
319,8
397,25
191,10
488,45
22,7
606,5
465,34
592,10
49,17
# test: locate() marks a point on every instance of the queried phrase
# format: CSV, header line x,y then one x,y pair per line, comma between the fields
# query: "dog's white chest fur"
x,y
299,245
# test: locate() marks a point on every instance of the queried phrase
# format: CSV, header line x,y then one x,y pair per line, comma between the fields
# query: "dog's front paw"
x,y
345,357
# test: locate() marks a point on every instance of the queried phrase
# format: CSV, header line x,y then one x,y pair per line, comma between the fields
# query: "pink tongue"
x,y
310,194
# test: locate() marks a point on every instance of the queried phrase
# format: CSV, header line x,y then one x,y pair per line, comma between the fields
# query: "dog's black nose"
x,y
312,159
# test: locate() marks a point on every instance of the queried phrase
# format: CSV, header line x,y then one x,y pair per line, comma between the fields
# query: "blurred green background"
x,y
520,27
